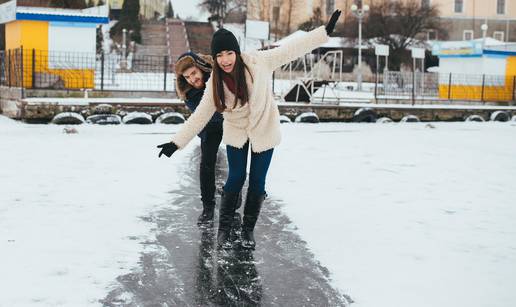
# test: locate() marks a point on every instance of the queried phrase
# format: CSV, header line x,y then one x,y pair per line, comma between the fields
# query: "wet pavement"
x,y
185,269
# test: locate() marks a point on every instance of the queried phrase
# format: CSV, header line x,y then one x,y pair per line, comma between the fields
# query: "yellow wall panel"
x,y
34,34
13,34
491,93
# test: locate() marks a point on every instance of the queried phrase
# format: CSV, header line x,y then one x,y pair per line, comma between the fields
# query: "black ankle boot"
x,y
206,217
226,215
252,208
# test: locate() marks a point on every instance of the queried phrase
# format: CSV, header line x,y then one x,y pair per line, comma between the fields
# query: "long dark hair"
x,y
238,75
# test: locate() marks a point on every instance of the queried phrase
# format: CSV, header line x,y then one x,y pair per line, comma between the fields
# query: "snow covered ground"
x,y
400,214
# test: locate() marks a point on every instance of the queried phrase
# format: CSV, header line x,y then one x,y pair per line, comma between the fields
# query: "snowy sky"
x,y
188,9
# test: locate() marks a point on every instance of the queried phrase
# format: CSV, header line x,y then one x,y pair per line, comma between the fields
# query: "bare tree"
x,y
397,24
315,21
220,9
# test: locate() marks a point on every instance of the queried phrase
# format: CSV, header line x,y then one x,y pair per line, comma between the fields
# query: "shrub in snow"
x,y
68,118
384,120
409,119
500,116
137,118
365,115
103,109
104,119
284,119
307,117
170,118
474,118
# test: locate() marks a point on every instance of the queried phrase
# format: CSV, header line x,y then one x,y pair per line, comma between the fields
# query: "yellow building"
x,y
467,71
54,44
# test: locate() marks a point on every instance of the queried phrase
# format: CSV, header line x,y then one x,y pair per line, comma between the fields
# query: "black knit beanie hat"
x,y
223,40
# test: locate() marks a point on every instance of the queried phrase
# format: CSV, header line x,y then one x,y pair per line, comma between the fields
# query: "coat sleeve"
x,y
294,48
198,120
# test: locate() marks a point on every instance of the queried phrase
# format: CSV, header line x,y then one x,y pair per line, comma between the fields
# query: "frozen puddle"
x,y
184,269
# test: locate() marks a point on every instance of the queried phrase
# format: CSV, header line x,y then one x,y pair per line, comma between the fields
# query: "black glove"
x,y
167,149
333,20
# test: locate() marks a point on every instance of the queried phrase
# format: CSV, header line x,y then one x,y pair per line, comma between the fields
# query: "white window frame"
x,y
468,32
463,7
501,33
504,8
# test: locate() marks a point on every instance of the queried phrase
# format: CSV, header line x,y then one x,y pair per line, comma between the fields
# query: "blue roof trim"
x,y
48,17
500,52
461,56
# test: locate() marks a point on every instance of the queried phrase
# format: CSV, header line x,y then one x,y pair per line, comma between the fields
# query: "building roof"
x,y
11,12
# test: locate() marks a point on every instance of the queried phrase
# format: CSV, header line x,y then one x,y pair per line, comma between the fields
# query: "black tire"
x,y
410,119
307,117
475,118
500,116
365,115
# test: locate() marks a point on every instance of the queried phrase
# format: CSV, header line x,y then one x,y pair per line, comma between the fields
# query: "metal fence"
x,y
41,69
445,86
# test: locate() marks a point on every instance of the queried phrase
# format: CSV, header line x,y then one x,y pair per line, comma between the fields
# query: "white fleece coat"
x,y
257,121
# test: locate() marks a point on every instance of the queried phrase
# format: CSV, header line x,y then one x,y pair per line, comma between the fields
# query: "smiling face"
x,y
226,60
194,77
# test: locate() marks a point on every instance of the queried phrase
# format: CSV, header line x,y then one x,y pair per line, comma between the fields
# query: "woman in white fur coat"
x,y
240,88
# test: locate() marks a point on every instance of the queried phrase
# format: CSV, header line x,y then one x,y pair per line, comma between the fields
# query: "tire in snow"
x,y
410,119
500,116
284,119
137,118
68,118
170,118
104,119
307,117
475,118
365,115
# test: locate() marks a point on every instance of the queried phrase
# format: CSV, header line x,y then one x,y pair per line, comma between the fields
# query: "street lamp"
x,y
484,28
359,13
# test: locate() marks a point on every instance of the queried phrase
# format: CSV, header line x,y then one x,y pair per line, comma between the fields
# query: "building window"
x,y
499,35
468,35
330,7
459,6
500,7
431,35
425,3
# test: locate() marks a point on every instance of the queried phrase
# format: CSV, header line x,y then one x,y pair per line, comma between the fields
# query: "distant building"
x,y
463,17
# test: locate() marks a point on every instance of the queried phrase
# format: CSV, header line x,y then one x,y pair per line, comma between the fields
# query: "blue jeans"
x,y
237,161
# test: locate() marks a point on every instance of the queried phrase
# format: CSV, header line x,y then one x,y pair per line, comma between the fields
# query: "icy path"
x,y
184,269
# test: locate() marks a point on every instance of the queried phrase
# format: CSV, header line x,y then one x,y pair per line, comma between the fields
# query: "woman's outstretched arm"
x,y
299,46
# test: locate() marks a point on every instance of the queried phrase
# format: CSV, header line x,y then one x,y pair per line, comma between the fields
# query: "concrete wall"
x,y
10,102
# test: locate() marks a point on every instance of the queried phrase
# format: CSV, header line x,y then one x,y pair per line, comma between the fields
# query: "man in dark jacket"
x,y
192,72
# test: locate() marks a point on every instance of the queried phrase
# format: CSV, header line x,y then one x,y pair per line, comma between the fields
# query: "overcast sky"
x,y
189,8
